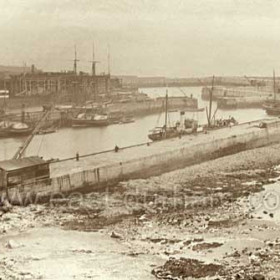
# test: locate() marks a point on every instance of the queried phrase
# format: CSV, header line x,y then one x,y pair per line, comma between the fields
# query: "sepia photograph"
x,y
140,139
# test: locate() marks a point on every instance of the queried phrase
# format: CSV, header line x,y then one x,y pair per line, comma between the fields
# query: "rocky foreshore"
x,y
215,220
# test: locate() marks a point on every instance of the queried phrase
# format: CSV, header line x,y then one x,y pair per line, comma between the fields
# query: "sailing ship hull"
x,y
272,109
164,132
15,130
20,132
4,132
159,137
171,134
127,120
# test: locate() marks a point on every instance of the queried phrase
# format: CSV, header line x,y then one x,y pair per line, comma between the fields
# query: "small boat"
x,y
272,108
127,119
84,120
160,133
46,131
20,129
13,129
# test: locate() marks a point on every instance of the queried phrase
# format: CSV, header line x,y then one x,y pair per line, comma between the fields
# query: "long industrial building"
x,y
61,84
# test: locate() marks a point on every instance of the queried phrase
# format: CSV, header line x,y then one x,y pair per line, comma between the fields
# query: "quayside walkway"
x,y
107,158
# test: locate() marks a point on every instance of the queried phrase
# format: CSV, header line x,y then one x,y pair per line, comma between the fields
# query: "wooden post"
x,y
210,102
166,111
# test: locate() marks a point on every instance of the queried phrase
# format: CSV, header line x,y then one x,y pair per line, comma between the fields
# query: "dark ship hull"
x,y
15,130
272,109
86,123
4,132
160,134
20,132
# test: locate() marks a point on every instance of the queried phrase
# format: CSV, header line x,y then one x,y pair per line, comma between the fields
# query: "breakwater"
x,y
241,102
153,105
237,92
238,97
96,171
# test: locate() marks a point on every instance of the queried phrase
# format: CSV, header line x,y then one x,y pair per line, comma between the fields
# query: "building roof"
x,y
14,164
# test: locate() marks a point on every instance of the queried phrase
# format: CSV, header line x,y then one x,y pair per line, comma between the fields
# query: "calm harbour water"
x,y
67,141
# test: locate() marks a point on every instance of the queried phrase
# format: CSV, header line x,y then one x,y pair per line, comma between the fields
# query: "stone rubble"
x,y
191,219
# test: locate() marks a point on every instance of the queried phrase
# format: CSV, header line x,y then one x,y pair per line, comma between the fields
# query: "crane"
x,y
20,152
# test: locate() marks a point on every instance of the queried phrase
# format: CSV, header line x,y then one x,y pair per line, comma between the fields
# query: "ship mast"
x,y
274,85
166,111
4,104
209,117
93,62
109,60
75,61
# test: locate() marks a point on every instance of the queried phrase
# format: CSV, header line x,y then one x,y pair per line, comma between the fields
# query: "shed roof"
x,y
14,164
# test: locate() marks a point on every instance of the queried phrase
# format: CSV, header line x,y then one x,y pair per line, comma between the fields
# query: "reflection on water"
x,y
68,141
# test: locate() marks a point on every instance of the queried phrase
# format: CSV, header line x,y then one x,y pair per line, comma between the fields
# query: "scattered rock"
x,y
183,268
116,235
258,277
206,246
6,206
13,244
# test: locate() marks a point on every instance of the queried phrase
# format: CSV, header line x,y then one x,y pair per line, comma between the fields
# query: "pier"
x,y
90,172
188,150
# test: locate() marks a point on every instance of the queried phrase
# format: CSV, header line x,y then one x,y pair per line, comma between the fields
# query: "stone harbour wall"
x,y
142,167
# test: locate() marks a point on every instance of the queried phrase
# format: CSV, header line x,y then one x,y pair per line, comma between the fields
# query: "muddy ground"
x,y
216,220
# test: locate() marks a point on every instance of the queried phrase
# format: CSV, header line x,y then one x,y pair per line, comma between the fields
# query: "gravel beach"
x,y
203,221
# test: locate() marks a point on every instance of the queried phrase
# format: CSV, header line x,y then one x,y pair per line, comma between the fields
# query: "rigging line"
x,y
158,119
178,89
182,91
40,144
168,120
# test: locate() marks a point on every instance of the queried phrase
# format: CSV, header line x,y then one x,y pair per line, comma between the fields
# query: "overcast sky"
x,y
146,37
